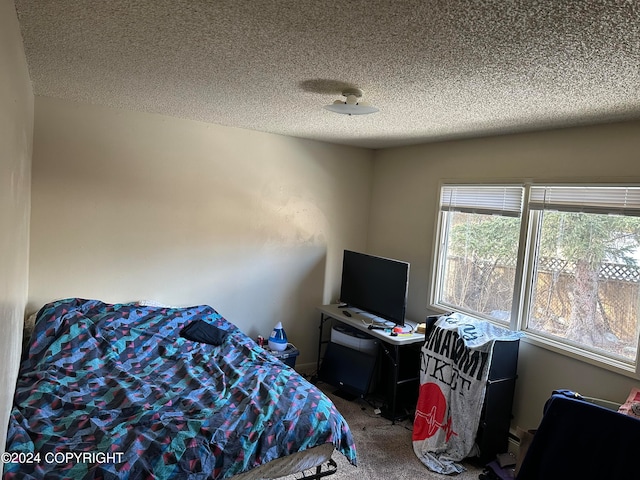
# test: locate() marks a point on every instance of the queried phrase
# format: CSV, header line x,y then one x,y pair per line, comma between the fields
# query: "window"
x,y
478,249
575,286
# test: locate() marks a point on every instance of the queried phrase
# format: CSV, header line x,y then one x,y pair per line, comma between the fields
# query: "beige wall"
x,y
16,133
403,218
129,206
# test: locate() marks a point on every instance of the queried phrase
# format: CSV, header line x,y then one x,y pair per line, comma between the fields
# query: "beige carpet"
x,y
384,449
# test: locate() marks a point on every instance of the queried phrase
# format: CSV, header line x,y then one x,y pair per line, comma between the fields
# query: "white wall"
x,y
403,218
16,133
129,206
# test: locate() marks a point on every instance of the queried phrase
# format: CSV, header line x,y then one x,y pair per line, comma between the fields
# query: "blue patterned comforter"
x,y
112,391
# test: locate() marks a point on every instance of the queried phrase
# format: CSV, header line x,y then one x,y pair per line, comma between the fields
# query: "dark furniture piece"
x,y
493,432
348,369
582,440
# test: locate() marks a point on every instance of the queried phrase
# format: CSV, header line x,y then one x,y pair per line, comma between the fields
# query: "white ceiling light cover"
x,y
352,105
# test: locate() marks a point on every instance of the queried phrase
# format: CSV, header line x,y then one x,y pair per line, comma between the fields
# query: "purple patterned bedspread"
x,y
112,391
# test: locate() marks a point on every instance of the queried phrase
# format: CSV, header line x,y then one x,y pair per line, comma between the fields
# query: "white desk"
x,y
361,320
390,344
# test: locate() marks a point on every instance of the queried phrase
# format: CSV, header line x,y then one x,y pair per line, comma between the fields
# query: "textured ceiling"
x,y
436,69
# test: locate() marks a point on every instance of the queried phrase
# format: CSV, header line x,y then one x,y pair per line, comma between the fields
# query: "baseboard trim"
x,y
514,444
306,368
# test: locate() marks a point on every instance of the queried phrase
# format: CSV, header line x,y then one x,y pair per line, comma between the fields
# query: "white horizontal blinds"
x,y
488,199
601,199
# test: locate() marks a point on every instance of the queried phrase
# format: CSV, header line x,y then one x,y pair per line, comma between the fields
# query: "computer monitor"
x,y
375,284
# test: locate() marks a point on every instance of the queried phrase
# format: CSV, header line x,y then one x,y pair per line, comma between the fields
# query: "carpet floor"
x,y
385,451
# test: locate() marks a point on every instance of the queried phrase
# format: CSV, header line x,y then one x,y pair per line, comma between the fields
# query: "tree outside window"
x,y
586,286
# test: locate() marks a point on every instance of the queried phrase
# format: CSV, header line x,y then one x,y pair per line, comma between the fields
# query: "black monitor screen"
x,y
375,284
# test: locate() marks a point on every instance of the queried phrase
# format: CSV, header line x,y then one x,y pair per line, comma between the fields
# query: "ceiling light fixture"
x,y
352,105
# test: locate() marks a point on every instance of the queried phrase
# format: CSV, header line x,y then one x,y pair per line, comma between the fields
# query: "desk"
x,y
391,345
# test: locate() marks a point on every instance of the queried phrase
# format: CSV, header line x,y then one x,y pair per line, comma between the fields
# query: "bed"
x,y
116,391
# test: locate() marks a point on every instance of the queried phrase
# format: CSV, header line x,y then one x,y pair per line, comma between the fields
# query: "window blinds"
x,y
601,199
487,199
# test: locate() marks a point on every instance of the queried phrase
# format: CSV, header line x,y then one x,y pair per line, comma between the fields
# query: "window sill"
x,y
620,367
